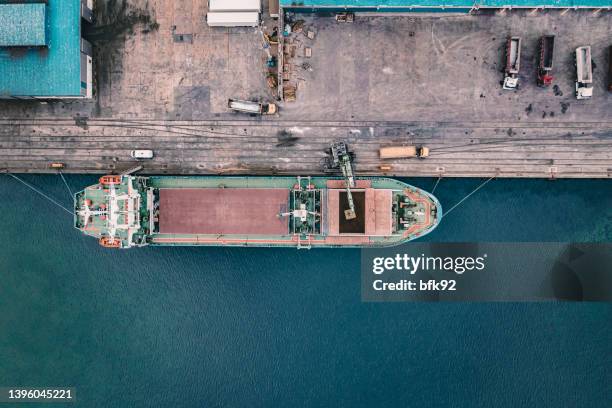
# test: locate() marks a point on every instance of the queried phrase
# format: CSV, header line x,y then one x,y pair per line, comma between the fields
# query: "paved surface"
x,y
447,69
542,149
163,79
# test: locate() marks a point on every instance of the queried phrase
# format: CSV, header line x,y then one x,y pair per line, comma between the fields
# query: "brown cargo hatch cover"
x,y
223,211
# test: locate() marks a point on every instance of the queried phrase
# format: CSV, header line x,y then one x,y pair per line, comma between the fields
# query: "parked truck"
x,y
584,73
256,108
513,63
403,152
547,45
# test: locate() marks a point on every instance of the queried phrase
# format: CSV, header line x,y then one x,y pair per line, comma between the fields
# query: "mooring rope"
x,y
468,196
40,192
436,185
66,184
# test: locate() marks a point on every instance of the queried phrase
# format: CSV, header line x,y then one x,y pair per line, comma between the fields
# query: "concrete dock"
x,y
546,150
163,83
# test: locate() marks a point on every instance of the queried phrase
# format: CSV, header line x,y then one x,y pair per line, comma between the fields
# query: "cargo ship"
x,y
124,211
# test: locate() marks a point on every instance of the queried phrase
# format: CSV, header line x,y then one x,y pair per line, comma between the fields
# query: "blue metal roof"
x,y
49,71
463,4
22,25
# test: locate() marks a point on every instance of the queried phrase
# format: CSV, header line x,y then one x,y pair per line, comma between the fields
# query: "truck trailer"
x,y
547,44
403,152
513,63
255,108
584,73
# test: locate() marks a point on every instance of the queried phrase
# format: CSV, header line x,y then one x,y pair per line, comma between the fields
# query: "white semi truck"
x,y
513,63
584,73
255,108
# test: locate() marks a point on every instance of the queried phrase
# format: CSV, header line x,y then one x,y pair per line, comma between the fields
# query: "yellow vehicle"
x,y
403,152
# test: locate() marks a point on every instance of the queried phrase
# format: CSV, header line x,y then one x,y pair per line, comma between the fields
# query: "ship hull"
x,y
257,212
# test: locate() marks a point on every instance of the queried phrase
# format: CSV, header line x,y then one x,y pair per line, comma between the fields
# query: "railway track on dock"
x,y
262,146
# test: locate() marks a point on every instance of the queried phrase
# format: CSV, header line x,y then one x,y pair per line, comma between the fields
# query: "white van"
x,y
142,154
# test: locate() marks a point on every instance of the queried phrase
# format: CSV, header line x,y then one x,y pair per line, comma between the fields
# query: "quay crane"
x,y
342,159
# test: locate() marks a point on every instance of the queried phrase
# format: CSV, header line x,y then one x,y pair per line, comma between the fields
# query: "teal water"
x,y
205,327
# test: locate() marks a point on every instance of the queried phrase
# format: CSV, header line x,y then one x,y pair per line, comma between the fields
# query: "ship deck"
x,y
378,195
223,211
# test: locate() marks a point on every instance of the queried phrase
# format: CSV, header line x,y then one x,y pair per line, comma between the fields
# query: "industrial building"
x,y
435,6
42,53
233,13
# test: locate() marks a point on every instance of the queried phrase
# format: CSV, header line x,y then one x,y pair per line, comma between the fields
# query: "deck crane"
x,y
341,158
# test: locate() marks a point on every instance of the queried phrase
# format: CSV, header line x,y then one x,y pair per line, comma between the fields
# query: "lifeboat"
x,y
107,242
110,180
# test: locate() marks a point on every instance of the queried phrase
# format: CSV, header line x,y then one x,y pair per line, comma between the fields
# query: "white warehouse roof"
x,y
241,19
234,5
